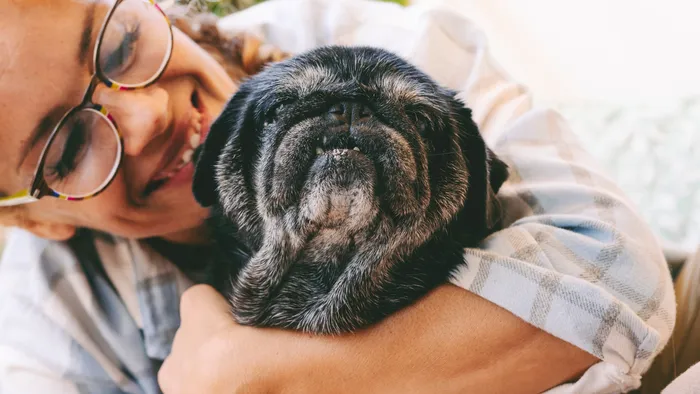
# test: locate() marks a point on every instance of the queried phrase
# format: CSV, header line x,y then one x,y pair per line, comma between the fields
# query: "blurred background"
x,y
625,73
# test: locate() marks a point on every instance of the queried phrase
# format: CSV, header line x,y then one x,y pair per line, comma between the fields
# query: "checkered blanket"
x,y
575,259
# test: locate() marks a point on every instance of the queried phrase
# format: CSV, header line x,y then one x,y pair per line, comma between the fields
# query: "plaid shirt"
x,y
97,315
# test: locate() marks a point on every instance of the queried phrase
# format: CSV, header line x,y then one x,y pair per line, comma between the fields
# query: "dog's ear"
x,y
226,129
487,173
497,175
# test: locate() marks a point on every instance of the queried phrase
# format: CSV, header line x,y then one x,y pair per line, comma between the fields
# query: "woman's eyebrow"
x,y
86,36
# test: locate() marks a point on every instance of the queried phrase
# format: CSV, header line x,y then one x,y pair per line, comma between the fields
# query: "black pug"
x,y
344,185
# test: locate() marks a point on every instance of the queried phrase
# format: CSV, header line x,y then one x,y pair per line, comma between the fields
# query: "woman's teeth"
x,y
195,140
187,156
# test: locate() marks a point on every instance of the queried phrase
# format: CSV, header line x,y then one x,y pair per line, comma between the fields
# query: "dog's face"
x,y
338,163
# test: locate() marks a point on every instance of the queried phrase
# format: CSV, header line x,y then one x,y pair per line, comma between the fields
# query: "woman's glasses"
x,y
84,151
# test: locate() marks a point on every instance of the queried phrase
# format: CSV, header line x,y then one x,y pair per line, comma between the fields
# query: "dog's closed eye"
x,y
420,122
271,115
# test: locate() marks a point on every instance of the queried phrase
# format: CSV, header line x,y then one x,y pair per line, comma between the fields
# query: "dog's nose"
x,y
350,112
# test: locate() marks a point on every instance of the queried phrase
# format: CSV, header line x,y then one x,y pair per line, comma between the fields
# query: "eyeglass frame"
x,y
39,188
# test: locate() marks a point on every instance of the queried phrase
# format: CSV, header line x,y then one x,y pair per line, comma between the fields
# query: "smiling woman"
x,y
99,281
239,55
173,115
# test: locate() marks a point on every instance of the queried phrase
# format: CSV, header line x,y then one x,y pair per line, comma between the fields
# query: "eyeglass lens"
x,y
135,45
82,155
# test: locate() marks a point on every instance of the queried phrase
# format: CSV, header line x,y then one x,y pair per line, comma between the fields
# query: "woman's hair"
x,y
241,55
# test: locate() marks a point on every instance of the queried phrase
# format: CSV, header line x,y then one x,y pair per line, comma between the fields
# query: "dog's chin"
x,y
340,191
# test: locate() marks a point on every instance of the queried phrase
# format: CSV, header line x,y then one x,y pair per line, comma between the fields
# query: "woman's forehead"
x,y
42,48
42,42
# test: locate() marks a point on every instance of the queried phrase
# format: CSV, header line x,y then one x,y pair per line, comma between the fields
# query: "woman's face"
x,y
41,77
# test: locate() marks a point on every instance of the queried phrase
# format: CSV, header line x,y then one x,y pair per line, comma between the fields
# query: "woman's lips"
x,y
178,168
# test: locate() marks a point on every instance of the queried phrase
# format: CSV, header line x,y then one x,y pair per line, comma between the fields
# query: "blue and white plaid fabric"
x,y
575,260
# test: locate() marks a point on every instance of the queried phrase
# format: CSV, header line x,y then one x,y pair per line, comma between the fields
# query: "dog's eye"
x,y
417,119
337,109
271,116
420,123
422,126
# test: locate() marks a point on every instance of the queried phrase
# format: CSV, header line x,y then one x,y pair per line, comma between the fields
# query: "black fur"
x,y
336,241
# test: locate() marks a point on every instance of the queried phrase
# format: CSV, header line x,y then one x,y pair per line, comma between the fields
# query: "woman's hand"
x,y
451,341
213,354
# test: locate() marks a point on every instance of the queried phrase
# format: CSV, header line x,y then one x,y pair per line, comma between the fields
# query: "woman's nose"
x,y
141,115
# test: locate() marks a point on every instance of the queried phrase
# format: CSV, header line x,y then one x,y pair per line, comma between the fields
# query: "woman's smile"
x,y
176,167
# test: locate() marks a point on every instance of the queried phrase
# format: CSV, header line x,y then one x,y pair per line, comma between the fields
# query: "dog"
x,y
344,185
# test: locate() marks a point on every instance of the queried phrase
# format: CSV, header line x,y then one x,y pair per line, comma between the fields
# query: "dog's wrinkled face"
x,y
333,167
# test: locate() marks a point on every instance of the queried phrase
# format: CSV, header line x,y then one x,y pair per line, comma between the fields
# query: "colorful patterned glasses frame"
x,y
84,151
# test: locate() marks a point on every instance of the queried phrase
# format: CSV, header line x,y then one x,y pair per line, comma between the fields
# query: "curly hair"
x,y
241,55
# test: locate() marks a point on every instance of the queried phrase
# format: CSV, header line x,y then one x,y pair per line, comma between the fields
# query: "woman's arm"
x,y
450,342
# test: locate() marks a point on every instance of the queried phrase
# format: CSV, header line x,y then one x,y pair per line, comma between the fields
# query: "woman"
x,y
574,289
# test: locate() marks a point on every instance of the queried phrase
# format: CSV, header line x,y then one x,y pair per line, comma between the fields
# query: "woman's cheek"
x,y
192,60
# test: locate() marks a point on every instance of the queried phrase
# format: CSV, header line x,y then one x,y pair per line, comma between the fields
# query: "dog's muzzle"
x,y
341,184
344,166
